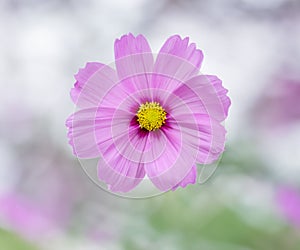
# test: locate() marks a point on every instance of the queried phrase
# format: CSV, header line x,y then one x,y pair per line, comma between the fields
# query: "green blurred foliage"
x,y
11,241
178,222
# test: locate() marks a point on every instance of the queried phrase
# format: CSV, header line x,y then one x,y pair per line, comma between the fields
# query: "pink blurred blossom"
x,y
288,200
28,218
279,105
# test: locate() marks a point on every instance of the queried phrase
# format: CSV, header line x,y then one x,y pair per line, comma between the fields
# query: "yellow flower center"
x,y
151,116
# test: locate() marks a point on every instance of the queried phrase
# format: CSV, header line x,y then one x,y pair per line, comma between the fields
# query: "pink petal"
x,y
212,135
189,179
178,157
92,83
87,129
177,62
129,45
134,61
124,150
181,48
121,146
126,94
221,92
81,78
205,94
81,129
120,174
205,107
84,74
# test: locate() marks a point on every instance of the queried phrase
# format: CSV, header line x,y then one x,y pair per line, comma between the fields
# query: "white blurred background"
x,y
253,201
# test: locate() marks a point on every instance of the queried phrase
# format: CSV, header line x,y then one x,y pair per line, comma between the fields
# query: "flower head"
x,y
154,117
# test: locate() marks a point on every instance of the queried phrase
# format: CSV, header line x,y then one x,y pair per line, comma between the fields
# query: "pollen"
x,y
151,116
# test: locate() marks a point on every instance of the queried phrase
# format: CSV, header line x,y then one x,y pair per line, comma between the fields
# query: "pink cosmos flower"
x,y
154,117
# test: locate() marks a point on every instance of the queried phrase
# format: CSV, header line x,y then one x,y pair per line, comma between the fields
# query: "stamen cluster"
x,y
151,116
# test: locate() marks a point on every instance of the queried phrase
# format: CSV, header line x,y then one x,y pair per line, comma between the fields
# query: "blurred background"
x,y
252,201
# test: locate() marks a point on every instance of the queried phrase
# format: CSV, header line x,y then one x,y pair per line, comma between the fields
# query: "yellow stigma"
x,y
151,116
